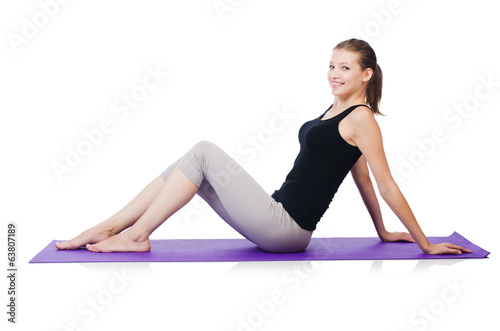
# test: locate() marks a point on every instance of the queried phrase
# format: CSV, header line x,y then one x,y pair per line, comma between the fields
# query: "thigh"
x,y
239,200
208,194
248,207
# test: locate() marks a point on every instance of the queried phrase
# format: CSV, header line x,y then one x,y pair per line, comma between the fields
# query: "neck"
x,y
344,103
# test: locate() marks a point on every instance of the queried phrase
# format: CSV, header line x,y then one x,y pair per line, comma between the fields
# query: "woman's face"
x,y
346,76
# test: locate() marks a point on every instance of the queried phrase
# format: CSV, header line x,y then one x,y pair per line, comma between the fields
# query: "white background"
x,y
231,68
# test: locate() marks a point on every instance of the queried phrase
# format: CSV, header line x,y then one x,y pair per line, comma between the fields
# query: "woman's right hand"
x,y
387,236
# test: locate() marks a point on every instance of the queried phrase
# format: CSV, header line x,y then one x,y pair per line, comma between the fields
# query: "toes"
x,y
64,245
77,242
61,245
93,248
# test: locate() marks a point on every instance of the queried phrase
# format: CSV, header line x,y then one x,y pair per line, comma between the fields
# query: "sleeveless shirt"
x,y
324,160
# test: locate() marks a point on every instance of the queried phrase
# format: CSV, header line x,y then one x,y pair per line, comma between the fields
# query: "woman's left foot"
x,y
122,242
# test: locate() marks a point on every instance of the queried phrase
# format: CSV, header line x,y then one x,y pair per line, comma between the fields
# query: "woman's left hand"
x,y
446,248
443,248
396,236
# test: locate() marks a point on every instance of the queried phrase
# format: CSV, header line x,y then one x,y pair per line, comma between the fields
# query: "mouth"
x,y
336,84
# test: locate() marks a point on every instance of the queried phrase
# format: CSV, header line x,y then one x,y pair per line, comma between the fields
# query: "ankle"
x,y
107,228
138,236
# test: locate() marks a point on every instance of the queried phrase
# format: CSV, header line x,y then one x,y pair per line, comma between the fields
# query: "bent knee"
x,y
206,149
204,145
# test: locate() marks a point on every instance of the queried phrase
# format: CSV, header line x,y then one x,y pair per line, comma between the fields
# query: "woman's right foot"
x,y
90,236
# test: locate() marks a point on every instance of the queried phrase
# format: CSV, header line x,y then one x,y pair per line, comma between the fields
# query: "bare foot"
x,y
90,236
123,242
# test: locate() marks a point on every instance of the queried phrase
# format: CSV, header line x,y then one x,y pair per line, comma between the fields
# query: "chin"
x,y
337,93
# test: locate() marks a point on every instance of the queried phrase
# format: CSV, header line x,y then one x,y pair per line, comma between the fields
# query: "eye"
x,y
331,67
345,68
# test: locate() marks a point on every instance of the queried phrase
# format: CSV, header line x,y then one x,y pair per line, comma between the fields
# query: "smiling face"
x,y
346,76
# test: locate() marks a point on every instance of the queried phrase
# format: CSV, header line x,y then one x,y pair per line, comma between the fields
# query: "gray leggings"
x,y
239,200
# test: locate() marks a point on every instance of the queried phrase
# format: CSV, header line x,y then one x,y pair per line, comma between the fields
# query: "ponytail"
x,y
373,93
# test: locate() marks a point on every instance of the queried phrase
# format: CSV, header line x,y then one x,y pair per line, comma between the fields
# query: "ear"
x,y
367,75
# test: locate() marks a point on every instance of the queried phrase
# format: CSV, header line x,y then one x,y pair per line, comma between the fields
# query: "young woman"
x,y
344,138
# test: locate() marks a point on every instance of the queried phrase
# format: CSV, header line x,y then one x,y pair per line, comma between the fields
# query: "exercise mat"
x,y
235,250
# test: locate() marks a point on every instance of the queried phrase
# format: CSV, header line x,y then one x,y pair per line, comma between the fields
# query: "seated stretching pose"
x,y
344,138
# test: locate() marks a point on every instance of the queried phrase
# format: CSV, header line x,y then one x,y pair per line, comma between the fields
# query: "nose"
x,y
335,73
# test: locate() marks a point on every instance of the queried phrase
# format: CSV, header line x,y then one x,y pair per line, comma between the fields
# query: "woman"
x,y
344,138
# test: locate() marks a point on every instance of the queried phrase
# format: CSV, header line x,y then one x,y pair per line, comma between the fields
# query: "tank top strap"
x,y
349,110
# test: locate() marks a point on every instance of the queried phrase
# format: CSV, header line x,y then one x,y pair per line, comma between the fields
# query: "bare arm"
x,y
361,176
367,136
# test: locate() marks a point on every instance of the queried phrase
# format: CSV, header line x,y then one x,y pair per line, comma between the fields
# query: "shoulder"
x,y
362,116
361,112
363,125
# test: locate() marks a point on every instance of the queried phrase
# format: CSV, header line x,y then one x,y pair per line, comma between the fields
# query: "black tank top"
x,y
324,160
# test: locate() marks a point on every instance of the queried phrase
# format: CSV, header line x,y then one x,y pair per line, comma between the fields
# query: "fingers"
x,y
410,238
406,237
460,249
455,249
447,248
397,236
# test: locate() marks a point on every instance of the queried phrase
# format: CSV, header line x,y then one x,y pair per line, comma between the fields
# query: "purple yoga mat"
x,y
235,250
